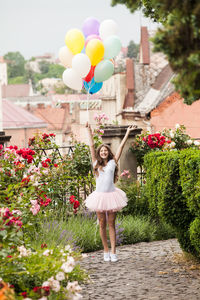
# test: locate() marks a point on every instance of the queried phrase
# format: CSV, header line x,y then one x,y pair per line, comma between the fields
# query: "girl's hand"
x,y
131,128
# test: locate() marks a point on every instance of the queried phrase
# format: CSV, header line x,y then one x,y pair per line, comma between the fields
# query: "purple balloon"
x,y
90,26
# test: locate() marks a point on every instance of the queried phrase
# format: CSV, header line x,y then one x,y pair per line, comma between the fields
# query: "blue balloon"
x,y
92,87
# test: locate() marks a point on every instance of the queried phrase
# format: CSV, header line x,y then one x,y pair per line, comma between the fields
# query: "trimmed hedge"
x,y
173,193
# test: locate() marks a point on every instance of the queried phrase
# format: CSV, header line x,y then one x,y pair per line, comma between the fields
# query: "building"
x,y
20,124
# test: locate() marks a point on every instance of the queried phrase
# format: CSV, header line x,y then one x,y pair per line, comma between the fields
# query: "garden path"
x,y
145,271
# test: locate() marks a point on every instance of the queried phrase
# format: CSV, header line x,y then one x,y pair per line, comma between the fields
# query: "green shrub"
x,y
164,191
190,179
195,234
143,229
137,204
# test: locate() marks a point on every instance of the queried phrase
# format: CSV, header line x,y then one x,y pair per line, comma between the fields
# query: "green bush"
x,y
195,234
137,204
166,192
143,229
190,179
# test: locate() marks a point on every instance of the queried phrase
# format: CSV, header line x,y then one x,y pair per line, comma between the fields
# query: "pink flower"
x,y
35,208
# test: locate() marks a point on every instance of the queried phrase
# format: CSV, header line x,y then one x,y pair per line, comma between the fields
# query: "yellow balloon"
x,y
75,40
95,51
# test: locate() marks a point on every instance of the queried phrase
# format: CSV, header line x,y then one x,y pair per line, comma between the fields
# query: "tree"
x,y
55,71
44,66
133,50
15,62
178,39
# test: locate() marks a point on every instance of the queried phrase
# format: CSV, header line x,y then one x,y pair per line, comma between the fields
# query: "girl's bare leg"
x,y
112,231
102,227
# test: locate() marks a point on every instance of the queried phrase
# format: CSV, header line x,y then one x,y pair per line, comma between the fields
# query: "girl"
x,y
106,200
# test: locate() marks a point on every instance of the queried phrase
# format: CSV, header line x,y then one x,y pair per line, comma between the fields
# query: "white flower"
x,y
46,252
45,283
54,284
60,276
196,143
68,248
17,211
73,287
177,126
27,299
172,144
171,134
23,251
68,266
189,142
43,298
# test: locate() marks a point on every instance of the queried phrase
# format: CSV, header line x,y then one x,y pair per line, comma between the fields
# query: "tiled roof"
x,y
15,90
54,116
144,46
17,117
162,77
168,101
161,88
173,111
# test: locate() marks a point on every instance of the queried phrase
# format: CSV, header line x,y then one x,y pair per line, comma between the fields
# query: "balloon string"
x,y
88,95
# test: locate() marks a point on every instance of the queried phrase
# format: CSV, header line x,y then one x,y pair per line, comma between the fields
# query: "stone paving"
x,y
145,271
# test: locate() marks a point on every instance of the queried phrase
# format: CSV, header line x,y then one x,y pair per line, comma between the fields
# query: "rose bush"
x,y
168,139
34,186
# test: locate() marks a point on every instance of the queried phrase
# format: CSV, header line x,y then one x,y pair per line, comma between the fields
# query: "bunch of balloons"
x,y
88,54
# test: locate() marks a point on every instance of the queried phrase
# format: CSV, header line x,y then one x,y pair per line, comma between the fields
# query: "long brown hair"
x,y
101,163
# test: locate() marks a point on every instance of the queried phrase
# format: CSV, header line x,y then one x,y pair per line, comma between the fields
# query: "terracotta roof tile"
x,y
15,90
144,46
17,117
167,102
173,111
54,116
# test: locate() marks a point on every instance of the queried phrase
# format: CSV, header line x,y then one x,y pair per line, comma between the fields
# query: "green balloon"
x,y
103,70
112,46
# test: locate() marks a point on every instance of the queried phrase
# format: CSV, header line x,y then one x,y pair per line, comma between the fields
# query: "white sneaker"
x,y
113,257
106,256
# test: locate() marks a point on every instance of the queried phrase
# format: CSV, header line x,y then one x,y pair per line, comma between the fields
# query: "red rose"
x,y
76,204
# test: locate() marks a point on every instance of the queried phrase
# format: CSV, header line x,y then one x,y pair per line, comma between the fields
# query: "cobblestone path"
x,y
145,271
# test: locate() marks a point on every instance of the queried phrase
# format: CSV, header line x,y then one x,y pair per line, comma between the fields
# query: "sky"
x,y
36,27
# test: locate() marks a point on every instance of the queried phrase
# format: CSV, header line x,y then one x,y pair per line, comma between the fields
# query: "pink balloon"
x,y
90,26
90,37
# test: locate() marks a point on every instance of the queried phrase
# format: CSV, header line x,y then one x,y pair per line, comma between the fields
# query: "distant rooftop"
x,y
17,117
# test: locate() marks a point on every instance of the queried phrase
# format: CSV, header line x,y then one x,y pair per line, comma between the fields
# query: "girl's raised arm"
x,y
121,146
91,142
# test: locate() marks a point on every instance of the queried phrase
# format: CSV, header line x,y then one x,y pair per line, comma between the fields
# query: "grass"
x,y
82,232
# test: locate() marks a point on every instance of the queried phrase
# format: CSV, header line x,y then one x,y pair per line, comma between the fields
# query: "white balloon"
x,y
72,79
65,56
81,64
107,28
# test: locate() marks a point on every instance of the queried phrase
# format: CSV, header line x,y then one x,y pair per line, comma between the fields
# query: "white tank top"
x,y
105,180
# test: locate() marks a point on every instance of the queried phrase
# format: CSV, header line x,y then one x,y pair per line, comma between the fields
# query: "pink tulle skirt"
x,y
112,201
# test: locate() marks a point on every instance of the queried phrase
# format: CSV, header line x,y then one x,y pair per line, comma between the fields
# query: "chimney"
x,y
144,46
129,100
